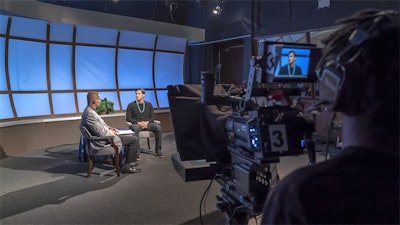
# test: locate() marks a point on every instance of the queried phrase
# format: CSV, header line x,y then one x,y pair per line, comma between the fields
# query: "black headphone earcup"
x,y
330,86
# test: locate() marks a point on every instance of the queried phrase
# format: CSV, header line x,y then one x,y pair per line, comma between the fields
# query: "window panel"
x,y
30,28
126,98
168,69
150,97
96,35
3,24
111,96
171,43
95,68
63,103
60,67
135,69
38,104
5,107
82,101
3,82
61,31
27,65
130,96
136,39
162,96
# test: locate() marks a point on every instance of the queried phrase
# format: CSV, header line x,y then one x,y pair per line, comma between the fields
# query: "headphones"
x,y
331,69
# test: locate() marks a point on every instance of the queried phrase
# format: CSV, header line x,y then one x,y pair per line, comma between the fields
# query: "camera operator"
x,y
361,184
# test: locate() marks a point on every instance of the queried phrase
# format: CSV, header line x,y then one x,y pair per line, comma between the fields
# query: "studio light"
x,y
217,10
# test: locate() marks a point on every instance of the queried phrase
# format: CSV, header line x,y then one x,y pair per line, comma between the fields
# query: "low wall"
x,y
21,137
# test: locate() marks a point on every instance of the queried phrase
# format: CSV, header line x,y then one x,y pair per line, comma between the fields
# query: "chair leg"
x,y
116,162
148,143
91,165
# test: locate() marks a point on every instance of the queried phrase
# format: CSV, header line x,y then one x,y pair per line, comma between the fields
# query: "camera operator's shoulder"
x,y
308,179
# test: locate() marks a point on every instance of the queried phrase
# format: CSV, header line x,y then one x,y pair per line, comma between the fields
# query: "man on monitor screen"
x,y
291,68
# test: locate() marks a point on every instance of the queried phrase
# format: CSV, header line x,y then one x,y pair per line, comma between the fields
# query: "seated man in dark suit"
x,y
97,127
141,114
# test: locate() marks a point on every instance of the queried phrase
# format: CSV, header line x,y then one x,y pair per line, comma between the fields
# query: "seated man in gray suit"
x,y
97,127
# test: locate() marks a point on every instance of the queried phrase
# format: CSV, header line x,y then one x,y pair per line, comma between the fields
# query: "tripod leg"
x,y
310,145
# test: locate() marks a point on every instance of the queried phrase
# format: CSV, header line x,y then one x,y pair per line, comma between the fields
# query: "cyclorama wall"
x,y
19,138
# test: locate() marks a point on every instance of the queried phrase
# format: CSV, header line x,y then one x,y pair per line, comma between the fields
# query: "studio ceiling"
x,y
169,11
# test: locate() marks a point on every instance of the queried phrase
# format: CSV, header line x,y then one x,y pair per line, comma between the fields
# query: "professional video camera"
x,y
243,138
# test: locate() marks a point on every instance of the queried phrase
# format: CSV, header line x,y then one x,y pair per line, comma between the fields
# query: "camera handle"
x,y
255,69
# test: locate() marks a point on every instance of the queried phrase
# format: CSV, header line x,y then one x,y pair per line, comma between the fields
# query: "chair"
x,y
145,133
111,150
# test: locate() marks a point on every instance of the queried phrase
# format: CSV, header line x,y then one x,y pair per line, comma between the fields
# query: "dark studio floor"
x,y
49,186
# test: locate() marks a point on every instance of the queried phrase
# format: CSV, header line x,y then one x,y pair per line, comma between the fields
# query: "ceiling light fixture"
x,y
217,10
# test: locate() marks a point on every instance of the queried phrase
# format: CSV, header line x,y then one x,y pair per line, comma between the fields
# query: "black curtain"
x,y
198,58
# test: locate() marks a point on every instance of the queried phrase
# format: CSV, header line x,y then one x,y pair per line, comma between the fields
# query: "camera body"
x,y
257,138
253,137
266,133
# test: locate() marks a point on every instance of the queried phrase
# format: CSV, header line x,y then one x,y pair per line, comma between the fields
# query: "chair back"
x,y
86,135
85,132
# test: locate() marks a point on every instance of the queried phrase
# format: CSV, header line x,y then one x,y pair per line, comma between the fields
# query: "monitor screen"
x,y
293,62
284,62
